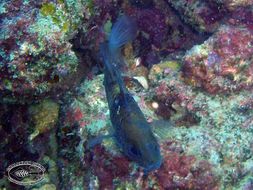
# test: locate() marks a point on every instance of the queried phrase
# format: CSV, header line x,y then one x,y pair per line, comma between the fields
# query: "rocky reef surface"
x,y
190,70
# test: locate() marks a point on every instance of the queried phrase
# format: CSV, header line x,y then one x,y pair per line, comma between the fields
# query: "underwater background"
x,y
190,69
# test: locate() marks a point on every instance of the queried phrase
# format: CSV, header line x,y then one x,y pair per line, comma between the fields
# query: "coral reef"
x,y
70,155
216,128
199,152
233,4
160,29
16,144
43,116
161,32
180,171
189,69
242,16
204,16
223,63
177,172
36,56
106,167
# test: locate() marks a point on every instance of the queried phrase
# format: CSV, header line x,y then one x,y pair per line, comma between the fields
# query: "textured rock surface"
x,y
203,16
189,69
36,56
223,63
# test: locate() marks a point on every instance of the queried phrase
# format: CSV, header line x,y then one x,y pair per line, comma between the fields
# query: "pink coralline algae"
x,y
173,97
180,171
106,166
242,15
223,63
36,54
101,11
74,115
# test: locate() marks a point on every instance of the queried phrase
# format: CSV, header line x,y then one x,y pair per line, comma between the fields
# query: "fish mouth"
x,y
153,166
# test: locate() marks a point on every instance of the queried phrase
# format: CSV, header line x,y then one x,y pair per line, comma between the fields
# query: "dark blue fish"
x,y
132,132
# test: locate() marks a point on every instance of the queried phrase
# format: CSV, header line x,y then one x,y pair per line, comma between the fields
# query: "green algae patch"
x,y
7,84
43,116
63,15
55,15
157,70
65,26
48,9
173,65
91,7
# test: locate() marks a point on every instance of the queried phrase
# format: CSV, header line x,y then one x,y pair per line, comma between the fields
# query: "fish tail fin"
x,y
111,67
106,55
123,31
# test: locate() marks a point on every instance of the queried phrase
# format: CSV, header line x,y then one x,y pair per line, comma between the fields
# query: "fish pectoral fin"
x,y
161,127
98,140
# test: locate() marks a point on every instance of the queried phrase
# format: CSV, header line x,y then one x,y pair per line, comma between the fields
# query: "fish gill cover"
x,y
189,69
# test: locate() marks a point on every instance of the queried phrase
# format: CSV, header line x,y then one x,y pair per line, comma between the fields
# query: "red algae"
x,y
107,167
228,65
180,171
74,115
191,73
